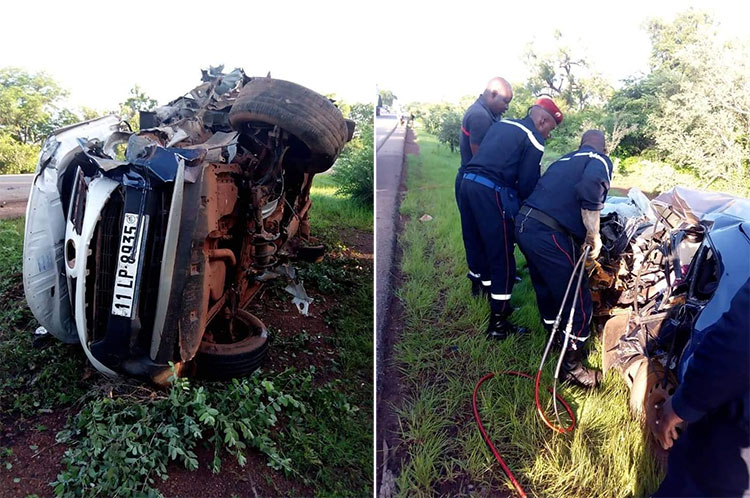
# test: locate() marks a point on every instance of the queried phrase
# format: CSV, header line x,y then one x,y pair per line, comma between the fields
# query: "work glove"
x,y
593,239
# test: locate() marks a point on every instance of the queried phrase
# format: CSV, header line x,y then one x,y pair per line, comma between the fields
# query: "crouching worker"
x,y
556,221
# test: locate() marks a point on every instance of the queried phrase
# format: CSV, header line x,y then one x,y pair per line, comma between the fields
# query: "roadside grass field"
x,y
443,352
297,431
332,212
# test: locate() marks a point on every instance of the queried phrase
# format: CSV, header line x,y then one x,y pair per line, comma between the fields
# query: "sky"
x,y
421,50
99,50
453,50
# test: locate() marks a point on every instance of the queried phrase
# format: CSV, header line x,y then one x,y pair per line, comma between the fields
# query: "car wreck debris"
x,y
146,247
665,273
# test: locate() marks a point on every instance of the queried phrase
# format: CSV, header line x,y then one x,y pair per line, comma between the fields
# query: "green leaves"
x,y
120,446
354,170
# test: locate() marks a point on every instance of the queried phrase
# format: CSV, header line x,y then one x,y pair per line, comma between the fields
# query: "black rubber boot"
x,y
499,326
574,372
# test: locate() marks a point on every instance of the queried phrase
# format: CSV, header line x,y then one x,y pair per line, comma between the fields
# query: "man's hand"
x,y
594,241
666,427
591,222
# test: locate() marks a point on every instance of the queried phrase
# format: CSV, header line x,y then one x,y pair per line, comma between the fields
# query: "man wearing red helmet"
x,y
500,176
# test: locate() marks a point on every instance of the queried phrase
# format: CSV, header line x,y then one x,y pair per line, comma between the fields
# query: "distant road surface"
x,y
384,126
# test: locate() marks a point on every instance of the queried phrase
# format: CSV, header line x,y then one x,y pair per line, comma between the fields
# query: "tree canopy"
x,y
32,107
690,112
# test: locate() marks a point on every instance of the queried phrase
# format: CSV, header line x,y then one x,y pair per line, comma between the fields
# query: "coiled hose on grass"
x,y
553,390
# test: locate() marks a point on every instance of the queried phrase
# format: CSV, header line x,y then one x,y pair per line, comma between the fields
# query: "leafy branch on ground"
x,y
118,447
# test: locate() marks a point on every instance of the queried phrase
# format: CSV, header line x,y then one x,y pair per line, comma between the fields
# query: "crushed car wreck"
x,y
147,247
668,270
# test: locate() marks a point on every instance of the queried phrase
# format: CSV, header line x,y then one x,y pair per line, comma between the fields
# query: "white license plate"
x,y
128,263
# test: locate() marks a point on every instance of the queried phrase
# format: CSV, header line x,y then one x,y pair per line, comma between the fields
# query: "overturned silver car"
x,y
147,247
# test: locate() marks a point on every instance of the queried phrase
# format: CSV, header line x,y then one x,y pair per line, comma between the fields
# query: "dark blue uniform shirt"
x,y
579,180
714,368
510,155
477,120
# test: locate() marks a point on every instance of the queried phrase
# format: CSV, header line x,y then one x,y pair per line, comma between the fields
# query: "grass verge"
x,y
443,353
313,426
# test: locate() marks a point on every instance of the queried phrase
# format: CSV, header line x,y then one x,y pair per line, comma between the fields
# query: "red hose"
x,y
549,424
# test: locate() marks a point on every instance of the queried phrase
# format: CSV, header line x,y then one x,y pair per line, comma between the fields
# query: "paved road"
x,y
384,125
15,187
389,159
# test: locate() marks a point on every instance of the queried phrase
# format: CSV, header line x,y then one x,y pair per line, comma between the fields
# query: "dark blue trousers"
x,y
550,256
488,240
711,458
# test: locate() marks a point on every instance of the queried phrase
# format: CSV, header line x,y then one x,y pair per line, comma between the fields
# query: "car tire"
x,y
215,361
307,115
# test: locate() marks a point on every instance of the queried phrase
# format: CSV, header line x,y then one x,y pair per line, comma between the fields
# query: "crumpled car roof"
x,y
698,206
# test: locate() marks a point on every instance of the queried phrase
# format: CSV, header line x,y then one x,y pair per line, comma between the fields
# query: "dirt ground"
x,y
12,209
36,457
389,453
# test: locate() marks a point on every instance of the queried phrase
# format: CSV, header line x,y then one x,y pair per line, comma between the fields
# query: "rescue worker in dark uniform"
x,y
477,120
712,456
558,218
503,172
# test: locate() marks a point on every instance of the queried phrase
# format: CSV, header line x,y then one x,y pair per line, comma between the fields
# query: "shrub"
x,y
17,157
354,170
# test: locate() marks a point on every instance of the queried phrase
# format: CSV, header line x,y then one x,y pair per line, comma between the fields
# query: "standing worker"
x,y
712,456
560,216
477,120
505,169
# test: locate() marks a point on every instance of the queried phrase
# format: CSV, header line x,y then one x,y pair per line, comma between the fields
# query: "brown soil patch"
x,y
35,461
255,479
12,209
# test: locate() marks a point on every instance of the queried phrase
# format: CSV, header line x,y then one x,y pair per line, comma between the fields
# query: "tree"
x,y
704,124
29,111
88,113
632,105
136,102
565,76
387,97
29,105
450,128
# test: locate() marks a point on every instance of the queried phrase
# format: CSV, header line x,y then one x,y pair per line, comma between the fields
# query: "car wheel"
x,y
224,361
307,115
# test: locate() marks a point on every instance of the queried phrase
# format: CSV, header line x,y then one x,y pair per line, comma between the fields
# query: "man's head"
x,y
545,115
498,95
595,139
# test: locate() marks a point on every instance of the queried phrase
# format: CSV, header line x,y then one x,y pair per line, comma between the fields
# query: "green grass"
x,y
443,353
331,212
313,426
32,379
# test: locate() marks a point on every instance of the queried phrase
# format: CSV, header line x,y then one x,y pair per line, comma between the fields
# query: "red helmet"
x,y
549,105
